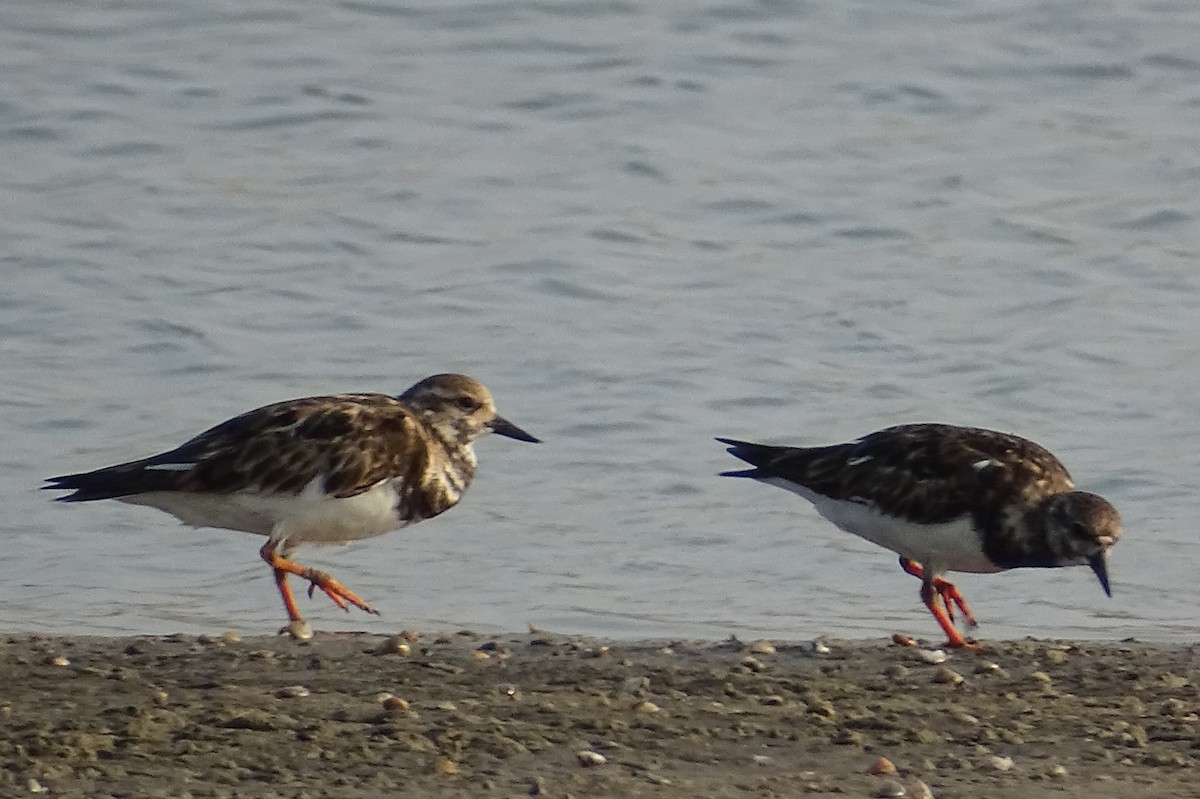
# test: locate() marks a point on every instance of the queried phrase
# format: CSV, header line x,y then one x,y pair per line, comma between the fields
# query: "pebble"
x,y
882,766
900,639
292,692
1056,656
754,664
36,787
896,671
1040,676
299,630
948,675
1058,771
446,766
634,685
59,660
587,758
644,707
921,791
761,647
848,738
395,704
997,763
932,656
761,760
773,700
394,645
890,789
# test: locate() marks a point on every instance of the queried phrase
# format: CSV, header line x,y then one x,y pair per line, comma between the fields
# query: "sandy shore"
x,y
550,715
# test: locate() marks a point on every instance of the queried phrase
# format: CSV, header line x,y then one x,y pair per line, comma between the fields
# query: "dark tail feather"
x,y
111,483
753,454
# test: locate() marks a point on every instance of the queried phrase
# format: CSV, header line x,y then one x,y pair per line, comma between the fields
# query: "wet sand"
x,y
468,715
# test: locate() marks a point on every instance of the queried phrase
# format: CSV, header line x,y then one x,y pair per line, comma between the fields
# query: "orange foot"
x,y
944,590
339,593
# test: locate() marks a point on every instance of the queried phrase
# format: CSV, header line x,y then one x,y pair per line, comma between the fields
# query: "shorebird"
x,y
947,498
326,469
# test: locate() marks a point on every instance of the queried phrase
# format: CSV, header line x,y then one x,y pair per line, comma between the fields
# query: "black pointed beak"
x,y
1099,564
504,427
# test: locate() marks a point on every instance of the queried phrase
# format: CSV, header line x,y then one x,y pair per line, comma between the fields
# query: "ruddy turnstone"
x,y
947,498
315,470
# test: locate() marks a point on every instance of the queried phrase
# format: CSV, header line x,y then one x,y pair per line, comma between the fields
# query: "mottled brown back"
x,y
927,473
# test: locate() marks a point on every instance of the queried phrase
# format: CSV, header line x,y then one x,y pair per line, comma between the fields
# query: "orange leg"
x,y
954,639
339,593
931,592
946,591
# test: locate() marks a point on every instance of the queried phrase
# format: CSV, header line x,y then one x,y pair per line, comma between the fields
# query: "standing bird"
x,y
315,470
947,498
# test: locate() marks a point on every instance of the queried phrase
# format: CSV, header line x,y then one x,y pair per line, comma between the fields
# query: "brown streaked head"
x,y
1081,528
459,408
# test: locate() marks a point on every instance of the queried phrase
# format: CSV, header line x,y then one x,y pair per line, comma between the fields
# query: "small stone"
x,y
480,655
537,787
921,791
644,706
448,706
986,667
932,656
394,645
761,647
847,738
1056,656
889,789
773,700
446,766
587,758
997,763
819,647
299,630
59,660
896,671
948,675
1173,682
1040,676
600,652
1058,771
231,637
292,692
160,697
761,760
899,639
1172,707
635,685
395,704
509,690
882,766
753,664
35,787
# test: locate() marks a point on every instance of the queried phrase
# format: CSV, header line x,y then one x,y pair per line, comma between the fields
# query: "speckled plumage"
x,y
318,469
947,498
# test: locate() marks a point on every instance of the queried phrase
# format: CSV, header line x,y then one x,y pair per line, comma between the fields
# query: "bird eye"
x,y
467,403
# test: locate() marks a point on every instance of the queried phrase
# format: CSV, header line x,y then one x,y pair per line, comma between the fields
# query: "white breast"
x,y
950,546
308,517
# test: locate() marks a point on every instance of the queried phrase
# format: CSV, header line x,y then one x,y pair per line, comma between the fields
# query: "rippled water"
x,y
641,224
